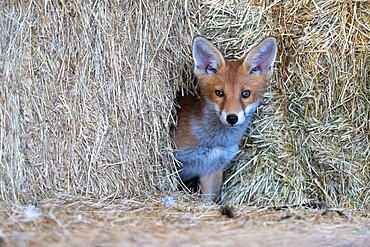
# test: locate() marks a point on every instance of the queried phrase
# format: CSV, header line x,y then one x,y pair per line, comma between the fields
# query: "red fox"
x,y
210,127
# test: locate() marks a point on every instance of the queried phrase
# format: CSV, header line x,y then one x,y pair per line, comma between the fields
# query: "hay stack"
x,y
87,93
86,98
310,140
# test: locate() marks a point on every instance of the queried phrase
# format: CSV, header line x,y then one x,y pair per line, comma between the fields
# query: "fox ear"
x,y
260,59
207,58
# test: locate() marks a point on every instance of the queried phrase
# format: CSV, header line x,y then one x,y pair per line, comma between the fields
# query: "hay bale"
x,y
87,96
310,140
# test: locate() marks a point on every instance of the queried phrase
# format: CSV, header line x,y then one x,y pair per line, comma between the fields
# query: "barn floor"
x,y
71,222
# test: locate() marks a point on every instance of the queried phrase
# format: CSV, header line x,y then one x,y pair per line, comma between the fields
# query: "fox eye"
x,y
246,93
254,70
219,93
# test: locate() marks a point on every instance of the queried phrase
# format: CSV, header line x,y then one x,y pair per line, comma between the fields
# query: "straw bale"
x,y
87,93
310,140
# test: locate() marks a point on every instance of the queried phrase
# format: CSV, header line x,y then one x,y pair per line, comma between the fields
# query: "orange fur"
x,y
187,113
232,78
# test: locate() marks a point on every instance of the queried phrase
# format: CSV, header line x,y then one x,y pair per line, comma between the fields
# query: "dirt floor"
x,y
186,223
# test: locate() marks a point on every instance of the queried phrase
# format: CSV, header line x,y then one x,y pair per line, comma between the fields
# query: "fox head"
x,y
233,87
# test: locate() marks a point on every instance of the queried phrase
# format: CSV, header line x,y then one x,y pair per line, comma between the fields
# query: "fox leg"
x,y
211,185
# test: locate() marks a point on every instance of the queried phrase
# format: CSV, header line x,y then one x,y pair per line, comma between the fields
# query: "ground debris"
x,y
227,211
188,223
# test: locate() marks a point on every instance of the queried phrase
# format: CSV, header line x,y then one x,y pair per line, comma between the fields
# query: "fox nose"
x,y
232,119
